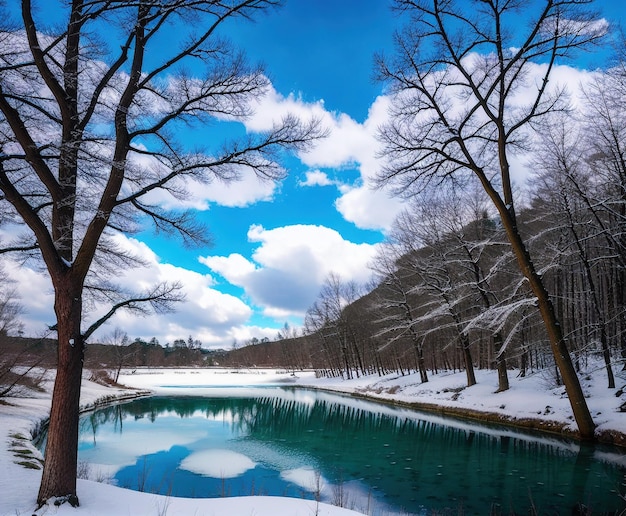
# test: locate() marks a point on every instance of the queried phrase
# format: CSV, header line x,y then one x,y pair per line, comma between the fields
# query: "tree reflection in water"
x,y
375,456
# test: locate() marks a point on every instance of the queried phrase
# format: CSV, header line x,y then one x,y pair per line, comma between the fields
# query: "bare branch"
x,y
160,298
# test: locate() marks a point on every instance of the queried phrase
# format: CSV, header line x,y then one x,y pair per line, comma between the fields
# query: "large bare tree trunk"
x,y
60,154
61,455
562,358
480,120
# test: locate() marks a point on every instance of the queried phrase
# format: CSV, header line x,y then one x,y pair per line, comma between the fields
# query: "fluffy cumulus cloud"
x,y
316,178
211,316
270,109
362,204
348,145
248,189
290,264
353,145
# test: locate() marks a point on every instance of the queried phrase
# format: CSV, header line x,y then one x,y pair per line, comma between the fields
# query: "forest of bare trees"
x,y
477,271
450,297
449,294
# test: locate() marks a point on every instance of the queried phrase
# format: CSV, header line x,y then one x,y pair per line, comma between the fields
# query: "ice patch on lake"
x,y
306,478
217,463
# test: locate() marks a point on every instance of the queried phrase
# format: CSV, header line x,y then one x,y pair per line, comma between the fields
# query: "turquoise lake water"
x,y
375,458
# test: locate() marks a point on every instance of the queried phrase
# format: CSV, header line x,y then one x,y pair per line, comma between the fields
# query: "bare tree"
x,y
328,317
450,242
394,306
10,306
90,136
605,135
119,342
17,362
566,189
438,281
458,111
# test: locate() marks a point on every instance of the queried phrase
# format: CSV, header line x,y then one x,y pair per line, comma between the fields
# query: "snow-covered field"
x,y
533,397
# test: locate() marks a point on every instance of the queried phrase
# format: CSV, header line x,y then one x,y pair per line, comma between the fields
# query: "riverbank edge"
x,y
546,426
610,437
38,428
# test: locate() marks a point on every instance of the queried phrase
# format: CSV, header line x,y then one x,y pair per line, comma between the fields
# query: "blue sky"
x,y
323,50
318,52
275,243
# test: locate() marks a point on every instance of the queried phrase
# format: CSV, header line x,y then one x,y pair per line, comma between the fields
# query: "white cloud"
x,y
316,178
320,245
244,333
35,294
367,208
270,109
349,144
248,189
208,314
234,267
211,316
290,265
354,145
574,28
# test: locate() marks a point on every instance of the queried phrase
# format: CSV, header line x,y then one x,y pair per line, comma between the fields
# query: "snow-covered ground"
x,y
534,397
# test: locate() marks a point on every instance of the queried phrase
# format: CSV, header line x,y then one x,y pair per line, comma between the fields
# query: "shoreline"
x,y
542,425
27,416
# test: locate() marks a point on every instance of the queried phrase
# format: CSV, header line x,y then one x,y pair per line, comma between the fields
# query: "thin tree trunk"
x,y
467,360
421,365
621,284
503,375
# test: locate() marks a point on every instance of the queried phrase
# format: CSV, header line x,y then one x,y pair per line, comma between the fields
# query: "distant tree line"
x,y
449,295
25,360
118,351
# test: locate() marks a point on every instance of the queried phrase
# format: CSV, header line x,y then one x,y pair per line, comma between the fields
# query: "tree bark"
x,y
467,359
421,364
61,455
503,376
562,358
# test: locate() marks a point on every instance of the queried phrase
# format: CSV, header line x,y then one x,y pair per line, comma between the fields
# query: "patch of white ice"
x,y
217,463
307,478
